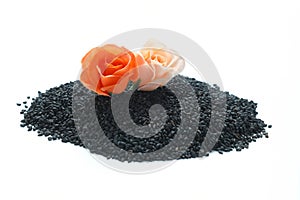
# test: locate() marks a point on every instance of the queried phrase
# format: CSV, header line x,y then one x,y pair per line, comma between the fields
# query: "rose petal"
x,y
127,61
120,64
114,49
177,64
149,87
88,54
119,86
154,44
139,58
111,69
146,73
104,93
159,69
86,81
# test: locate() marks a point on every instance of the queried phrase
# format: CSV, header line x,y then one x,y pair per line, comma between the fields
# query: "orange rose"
x,y
156,67
108,69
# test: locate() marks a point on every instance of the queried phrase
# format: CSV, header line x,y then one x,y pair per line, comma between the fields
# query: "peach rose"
x,y
108,69
156,67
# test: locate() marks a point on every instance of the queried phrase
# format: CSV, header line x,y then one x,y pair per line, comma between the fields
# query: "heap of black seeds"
x,y
73,114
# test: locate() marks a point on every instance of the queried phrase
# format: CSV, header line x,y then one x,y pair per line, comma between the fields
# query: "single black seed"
x,y
270,126
28,97
18,104
24,102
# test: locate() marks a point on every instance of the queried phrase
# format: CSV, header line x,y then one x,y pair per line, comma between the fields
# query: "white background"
x,y
255,46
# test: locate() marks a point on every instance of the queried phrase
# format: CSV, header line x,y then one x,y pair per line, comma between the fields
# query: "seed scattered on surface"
x,y
18,104
24,102
51,115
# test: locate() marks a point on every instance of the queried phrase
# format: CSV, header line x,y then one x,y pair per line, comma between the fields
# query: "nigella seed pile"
x,y
73,114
